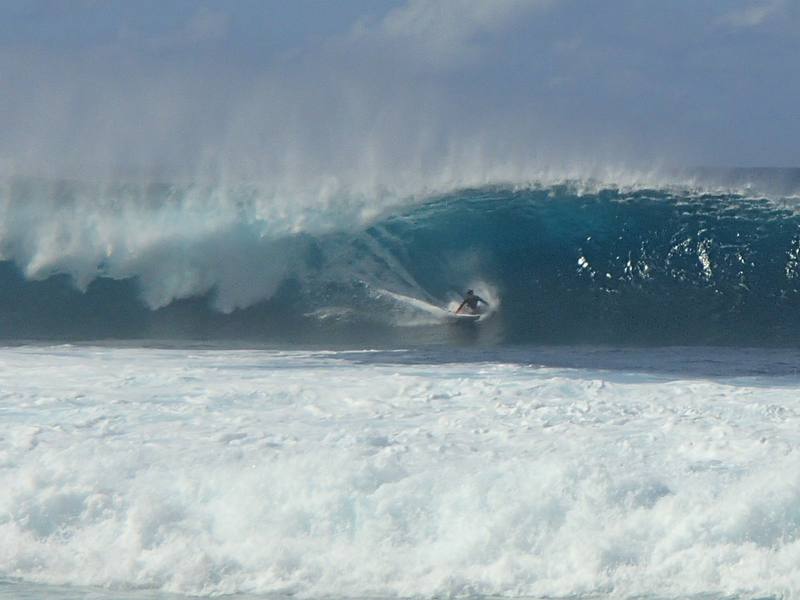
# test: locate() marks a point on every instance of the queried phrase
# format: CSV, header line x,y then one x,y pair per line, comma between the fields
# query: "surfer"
x,y
471,301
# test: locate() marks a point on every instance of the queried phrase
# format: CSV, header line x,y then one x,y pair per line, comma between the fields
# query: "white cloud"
x,y
445,32
753,15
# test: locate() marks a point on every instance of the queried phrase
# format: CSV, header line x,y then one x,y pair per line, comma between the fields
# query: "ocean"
x,y
207,390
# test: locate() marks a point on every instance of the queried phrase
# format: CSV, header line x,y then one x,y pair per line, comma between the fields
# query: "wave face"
x,y
568,263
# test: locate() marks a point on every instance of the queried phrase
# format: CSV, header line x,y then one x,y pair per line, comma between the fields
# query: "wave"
x,y
571,262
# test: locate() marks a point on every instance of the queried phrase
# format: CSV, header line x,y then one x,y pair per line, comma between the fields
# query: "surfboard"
x,y
466,317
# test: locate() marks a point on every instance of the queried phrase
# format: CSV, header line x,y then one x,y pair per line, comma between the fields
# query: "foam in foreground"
x,y
332,474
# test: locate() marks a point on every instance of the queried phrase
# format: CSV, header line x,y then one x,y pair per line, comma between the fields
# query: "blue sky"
x,y
369,86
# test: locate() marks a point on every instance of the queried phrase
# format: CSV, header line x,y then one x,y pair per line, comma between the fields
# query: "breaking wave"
x,y
569,262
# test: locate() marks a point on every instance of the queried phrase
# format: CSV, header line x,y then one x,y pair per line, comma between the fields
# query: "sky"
x,y
378,91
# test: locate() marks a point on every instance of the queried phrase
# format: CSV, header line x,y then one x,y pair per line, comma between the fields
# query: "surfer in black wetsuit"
x,y
471,301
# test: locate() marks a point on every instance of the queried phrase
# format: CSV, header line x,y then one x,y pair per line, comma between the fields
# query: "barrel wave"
x,y
571,262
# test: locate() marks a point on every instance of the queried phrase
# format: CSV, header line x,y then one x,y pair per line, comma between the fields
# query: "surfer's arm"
x,y
458,310
482,300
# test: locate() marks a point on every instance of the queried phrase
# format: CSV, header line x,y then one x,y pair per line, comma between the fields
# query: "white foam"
x,y
411,311
210,472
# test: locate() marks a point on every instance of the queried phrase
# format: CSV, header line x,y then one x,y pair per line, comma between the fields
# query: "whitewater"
x,y
509,473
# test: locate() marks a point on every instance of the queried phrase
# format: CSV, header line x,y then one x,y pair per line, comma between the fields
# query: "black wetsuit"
x,y
471,301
